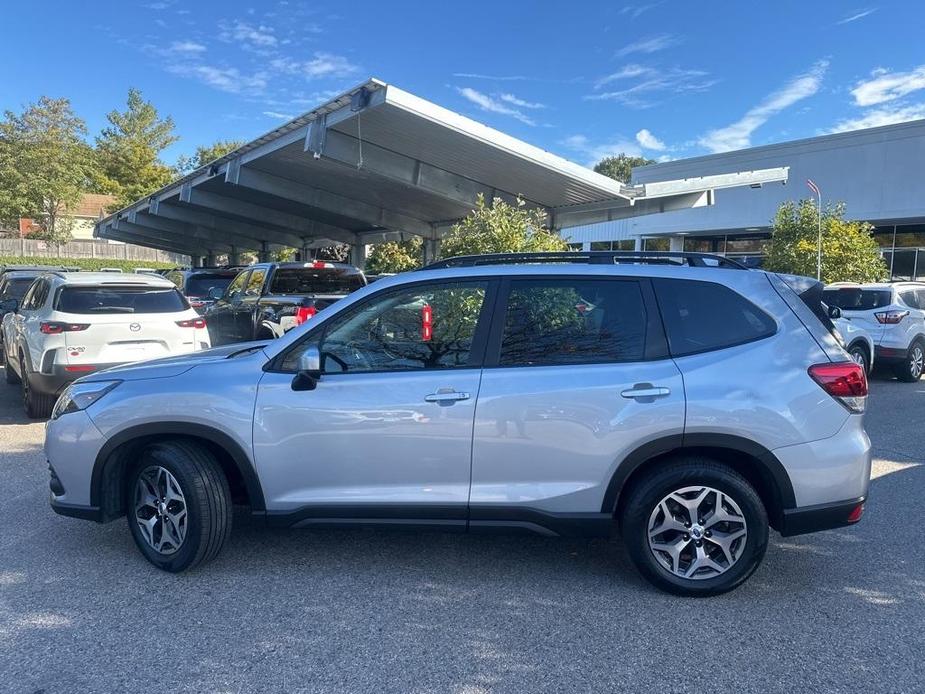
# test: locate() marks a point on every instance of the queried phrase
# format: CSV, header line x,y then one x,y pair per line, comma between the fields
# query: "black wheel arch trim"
x,y
679,442
188,429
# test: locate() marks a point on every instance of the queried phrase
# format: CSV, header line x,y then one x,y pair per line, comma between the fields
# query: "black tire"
x,y
11,376
859,353
909,370
645,495
207,499
37,405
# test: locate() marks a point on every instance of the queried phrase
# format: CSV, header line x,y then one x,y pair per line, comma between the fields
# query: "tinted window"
x,y
27,298
236,286
573,321
702,316
856,299
15,287
200,284
315,281
425,327
120,300
910,298
255,282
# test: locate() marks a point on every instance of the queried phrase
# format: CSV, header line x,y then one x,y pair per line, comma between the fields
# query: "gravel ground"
x,y
366,611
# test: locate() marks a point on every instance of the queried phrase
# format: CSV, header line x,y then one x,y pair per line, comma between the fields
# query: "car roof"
x,y
22,274
121,279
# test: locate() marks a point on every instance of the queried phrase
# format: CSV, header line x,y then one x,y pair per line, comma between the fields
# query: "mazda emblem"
x,y
134,327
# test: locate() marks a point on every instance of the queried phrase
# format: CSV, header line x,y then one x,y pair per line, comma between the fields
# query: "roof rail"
x,y
592,258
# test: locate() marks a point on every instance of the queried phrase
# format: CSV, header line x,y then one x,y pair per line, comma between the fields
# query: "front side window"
x,y
573,321
422,327
255,282
703,316
236,287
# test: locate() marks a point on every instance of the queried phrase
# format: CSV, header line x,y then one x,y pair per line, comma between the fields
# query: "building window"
x,y
659,244
622,245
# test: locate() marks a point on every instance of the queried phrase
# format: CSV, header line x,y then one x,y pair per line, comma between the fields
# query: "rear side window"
x,y
857,299
704,316
15,287
573,321
911,298
120,300
201,284
315,281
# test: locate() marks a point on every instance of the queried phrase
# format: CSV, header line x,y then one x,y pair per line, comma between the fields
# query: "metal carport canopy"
x,y
377,163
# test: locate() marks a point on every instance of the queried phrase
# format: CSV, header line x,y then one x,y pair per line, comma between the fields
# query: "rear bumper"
x,y
59,378
91,513
810,519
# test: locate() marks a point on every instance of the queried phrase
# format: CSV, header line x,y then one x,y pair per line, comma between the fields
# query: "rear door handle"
x,y
446,396
646,391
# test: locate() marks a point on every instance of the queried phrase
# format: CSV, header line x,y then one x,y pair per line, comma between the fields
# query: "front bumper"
x,y
810,519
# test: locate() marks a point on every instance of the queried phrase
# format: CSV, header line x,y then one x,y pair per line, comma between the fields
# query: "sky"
x,y
664,79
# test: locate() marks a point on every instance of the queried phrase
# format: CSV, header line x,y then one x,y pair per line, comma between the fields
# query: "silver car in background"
x,y
680,399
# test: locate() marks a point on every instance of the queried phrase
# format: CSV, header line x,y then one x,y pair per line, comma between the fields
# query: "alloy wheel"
x,y
916,361
160,509
697,532
860,358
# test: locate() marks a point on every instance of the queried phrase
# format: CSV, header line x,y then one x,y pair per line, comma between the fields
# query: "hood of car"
x,y
169,367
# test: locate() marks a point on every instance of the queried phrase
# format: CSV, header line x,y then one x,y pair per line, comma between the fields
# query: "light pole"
x,y
813,187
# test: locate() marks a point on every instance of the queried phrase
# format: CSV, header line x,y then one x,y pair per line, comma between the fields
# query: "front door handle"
x,y
646,392
446,396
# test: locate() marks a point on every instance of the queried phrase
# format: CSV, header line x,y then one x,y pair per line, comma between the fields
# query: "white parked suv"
x,y
71,324
894,316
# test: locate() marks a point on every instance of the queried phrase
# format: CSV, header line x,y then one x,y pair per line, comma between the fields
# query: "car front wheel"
x,y
694,527
178,505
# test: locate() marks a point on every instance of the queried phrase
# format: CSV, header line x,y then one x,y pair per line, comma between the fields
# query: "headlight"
x,y
79,396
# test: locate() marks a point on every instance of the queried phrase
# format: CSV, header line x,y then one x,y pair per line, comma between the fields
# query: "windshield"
x,y
308,280
857,299
15,287
116,299
199,285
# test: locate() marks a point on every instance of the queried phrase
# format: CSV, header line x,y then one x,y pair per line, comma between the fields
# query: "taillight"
x,y
890,317
321,265
193,323
80,368
844,381
303,313
427,323
196,303
56,327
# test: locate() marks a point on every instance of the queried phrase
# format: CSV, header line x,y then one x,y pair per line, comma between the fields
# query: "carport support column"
x,y
234,257
431,250
210,259
358,254
263,255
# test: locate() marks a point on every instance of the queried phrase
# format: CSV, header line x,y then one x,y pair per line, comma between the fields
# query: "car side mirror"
x,y
834,312
9,306
215,293
309,369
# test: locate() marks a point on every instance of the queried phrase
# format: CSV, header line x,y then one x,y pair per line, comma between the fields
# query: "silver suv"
x,y
680,398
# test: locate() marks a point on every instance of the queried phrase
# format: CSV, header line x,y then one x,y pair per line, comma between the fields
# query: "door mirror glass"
x,y
309,369
834,312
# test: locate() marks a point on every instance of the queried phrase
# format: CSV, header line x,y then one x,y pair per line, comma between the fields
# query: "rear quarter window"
x,y
705,316
117,299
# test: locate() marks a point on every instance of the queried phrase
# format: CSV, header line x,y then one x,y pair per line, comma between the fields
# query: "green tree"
x,y
501,228
205,154
849,252
395,256
128,150
45,167
620,167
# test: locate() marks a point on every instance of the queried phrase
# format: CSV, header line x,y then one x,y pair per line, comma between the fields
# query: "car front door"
x,y
245,311
221,318
387,432
576,377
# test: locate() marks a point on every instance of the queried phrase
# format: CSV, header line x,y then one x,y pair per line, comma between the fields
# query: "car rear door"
x,y
577,377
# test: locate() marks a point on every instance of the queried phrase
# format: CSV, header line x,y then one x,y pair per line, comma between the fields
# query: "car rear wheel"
x,y
37,405
911,369
11,376
859,354
694,527
178,505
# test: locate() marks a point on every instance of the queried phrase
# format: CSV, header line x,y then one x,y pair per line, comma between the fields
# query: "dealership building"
x,y
879,173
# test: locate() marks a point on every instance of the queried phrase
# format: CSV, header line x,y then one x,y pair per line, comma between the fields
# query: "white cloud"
x,y
856,15
321,65
647,140
226,79
651,82
635,10
187,47
492,105
278,115
884,86
738,135
498,78
257,36
516,101
648,45
880,116
593,152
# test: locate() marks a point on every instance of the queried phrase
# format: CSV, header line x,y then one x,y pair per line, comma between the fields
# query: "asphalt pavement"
x,y
377,611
